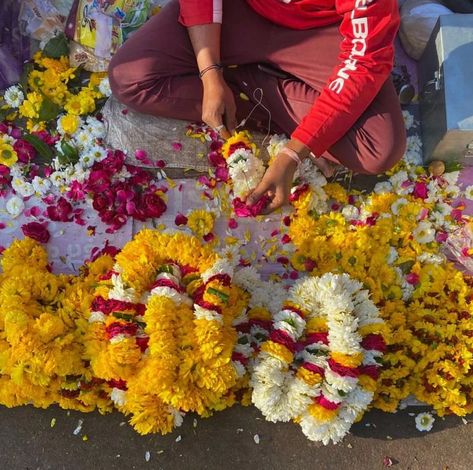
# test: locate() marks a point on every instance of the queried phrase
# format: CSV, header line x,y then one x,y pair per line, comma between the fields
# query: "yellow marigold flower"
x,y
80,104
31,106
259,313
337,192
8,156
243,139
278,350
348,361
309,377
201,222
368,383
317,324
322,414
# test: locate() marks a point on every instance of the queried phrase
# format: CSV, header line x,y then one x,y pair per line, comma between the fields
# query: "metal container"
x,y
446,84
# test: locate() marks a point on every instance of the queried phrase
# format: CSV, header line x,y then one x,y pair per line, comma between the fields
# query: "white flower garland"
x,y
297,374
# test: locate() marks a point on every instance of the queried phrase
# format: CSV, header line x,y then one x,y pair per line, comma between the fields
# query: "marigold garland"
x,y
162,333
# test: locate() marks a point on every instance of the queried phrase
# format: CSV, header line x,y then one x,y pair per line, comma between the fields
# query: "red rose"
x,y
101,202
61,212
36,231
24,150
153,205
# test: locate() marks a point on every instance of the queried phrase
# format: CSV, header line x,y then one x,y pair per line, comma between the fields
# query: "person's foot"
x,y
327,168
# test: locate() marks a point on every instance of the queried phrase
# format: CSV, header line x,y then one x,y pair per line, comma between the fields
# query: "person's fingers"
x,y
224,133
276,203
257,193
230,119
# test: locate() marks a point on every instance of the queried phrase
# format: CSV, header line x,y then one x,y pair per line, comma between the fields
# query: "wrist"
x,y
288,161
301,149
212,77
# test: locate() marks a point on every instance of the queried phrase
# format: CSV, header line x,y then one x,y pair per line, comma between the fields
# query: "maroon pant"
x,y
155,72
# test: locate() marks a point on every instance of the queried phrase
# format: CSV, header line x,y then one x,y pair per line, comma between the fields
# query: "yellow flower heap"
x,y
162,333
52,86
41,355
425,300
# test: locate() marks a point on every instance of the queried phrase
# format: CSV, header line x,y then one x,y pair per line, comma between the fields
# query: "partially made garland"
x,y
321,360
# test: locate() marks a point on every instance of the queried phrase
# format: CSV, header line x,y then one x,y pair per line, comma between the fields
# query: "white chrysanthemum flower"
x,y
398,178
120,291
276,144
83,139
469,192
424,232
431,258
398,204
221,266
350,212
41,185
383,187
173,294
210,315
15,206
239,368
452,191
118,396
424,422
246,172
392,255
95,127
98,153
97,317
452,177
8,139
408,119
413,155
104,87
57,179
86,160
14,96
22,187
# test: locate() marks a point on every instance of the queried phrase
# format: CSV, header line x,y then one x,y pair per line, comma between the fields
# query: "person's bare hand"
x,y
276,183
218,104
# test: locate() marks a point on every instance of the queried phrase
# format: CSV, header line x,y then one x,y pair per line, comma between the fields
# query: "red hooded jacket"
x,y
365,60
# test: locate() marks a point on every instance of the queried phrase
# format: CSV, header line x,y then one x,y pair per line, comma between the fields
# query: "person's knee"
x,y
386,155
120,80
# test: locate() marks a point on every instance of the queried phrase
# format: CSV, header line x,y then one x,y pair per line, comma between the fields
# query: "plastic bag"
x,y
418,19
103,25
41,20
458,245
14,48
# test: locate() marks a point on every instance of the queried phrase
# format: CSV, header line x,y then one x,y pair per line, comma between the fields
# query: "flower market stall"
x,y
124,289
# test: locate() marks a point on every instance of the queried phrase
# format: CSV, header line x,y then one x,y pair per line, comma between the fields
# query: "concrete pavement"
x,y
226,441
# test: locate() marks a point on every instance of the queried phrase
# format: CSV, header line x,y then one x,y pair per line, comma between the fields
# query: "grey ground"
x,y
226,441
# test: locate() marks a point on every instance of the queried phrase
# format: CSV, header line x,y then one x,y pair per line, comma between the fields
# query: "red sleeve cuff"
x,y
317,147
195,20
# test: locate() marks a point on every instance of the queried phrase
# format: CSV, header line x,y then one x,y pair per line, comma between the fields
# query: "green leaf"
x,y
406,266
56,47
69,152
221,295
41,147
27,69
49,110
